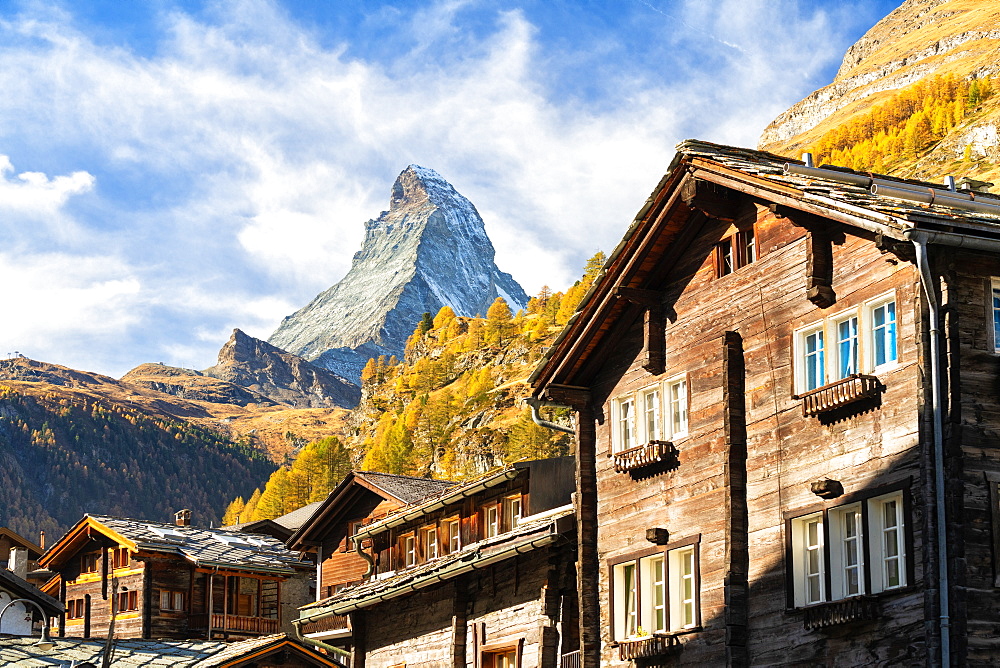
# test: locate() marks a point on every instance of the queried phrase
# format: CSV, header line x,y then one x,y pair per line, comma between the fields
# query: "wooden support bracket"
x,y
713,200
654,327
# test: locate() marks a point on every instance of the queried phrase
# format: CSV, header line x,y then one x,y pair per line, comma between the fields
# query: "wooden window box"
x,y
331,623
838,393
855,609
644,648
644,455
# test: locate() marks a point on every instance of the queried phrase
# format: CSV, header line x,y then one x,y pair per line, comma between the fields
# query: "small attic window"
x,y
734,252
169,535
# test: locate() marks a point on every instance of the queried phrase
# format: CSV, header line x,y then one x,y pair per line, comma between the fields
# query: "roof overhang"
x,y
84,533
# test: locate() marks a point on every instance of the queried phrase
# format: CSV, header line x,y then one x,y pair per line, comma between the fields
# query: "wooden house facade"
x,y
153,580
785,383
362,497
479,575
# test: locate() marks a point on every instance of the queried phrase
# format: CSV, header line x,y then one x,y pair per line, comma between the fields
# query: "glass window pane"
x,y
814,364
847,347
996,319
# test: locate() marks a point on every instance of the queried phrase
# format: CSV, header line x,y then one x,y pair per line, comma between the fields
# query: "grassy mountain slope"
x,y
920,43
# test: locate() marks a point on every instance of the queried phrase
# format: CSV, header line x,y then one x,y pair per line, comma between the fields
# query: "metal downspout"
x,y
536,417
297,625
919,240
364,555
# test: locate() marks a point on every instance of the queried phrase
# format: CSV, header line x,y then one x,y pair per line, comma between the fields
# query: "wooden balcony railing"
x,y
644,455
570,660
234,623
839,393
331,623
855,609
644,648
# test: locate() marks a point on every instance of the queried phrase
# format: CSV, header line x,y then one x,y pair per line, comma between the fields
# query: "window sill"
x,y
838,394
641,456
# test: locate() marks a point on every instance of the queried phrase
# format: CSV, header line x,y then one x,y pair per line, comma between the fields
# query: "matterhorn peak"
x,y
430,249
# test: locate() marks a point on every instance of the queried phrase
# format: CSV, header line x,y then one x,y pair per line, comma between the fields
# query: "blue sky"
x,y
170,170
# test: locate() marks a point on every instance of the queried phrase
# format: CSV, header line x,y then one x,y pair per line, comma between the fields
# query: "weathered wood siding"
x,y
517,603
972,431
341,564
765,302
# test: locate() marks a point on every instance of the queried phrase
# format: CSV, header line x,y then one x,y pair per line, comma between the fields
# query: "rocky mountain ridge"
x,y
430,249
919,40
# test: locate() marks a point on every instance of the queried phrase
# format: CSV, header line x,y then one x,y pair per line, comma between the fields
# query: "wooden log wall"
x,y
972,435
765,302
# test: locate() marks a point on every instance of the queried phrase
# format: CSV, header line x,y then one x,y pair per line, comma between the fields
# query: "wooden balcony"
x,y
855,609
839,393
651,453
326,624
647,648
234,624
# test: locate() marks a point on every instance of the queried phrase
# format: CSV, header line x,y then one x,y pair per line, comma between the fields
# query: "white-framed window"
x,y
491,520
813,358
655,593
652,422
677,407
839,541
511,512
453,532
847,553
409,545
994,309
429,538
655,413
846,337
863,339
888,543
882,324
624,421
808,561
682,566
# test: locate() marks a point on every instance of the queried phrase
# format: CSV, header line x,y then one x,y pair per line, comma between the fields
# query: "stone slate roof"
x,y
203,547
297,518
831,193
133,653
518,541
405,488
24,589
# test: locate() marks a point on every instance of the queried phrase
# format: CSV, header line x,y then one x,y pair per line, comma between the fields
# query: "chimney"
x,y
18,564
41,540
182,518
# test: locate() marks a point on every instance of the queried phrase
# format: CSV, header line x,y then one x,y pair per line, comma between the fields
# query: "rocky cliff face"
x,y
280,376
428,250
191,384
919,39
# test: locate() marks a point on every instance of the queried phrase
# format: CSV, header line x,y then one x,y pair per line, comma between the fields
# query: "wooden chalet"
x,y
481,574
361,497
786,389
155,580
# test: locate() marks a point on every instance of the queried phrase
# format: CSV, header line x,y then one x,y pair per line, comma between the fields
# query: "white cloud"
x,y
237,162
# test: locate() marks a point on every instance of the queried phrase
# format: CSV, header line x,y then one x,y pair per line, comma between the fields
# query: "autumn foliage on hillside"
x,y
65,454
903,127
450,409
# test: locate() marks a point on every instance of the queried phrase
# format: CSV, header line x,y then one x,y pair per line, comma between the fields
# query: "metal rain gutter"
x,y
406,516
920,240
297,625
536,417
459,568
